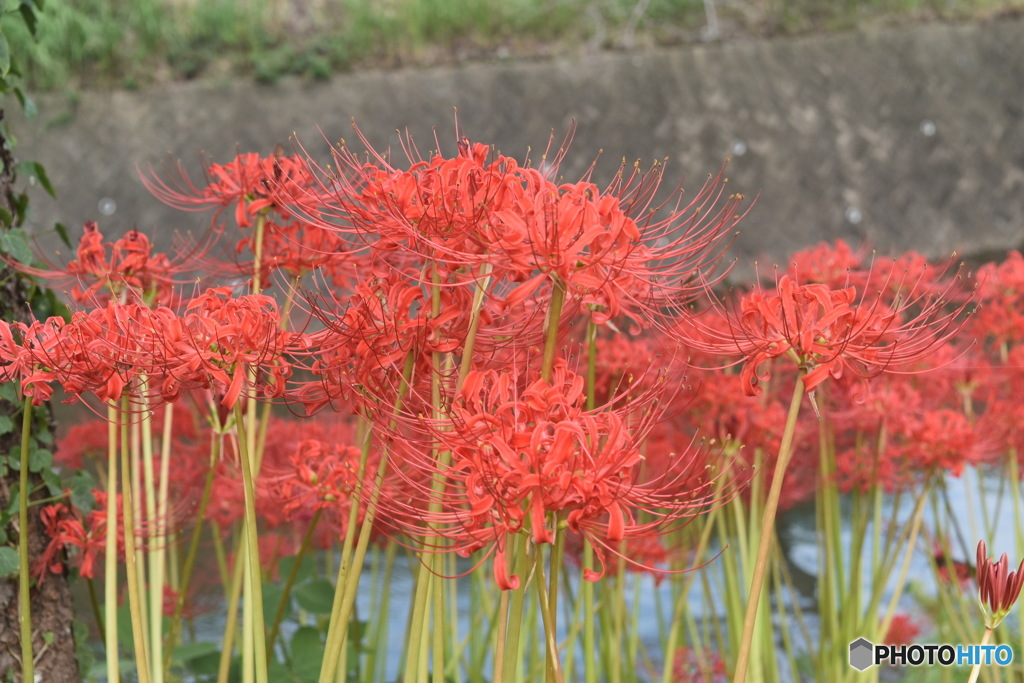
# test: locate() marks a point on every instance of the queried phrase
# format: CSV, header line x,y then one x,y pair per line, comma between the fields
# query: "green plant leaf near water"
x,y
8,561
315,595
307,650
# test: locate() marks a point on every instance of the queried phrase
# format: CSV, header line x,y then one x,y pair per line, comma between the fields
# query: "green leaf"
x,y
9,392
62,232
28,13
6,425
39,460
186,653
54,485
272,595
305,569
36,173
8,561
5,56
15,243
44,179
307,653
315,596
81,485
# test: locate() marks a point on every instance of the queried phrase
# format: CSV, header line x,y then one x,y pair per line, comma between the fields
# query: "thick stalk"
x,y
282,606
551,339
252,551
350,568
521,561
767,528
24,596
140,525
590,669
110,558
976,669
154,549
163,533
131,570
554,669
551,600
190,558
231,622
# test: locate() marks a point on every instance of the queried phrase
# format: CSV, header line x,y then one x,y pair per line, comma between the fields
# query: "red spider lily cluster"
x,y
487,358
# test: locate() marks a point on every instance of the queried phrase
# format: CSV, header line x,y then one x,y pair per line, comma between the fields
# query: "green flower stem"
x,y
383,602
901,582
557,551
590,669
517,599
553,668
591,665
110,557
254,606
551,339
501,637
97,614
231,622
452,669
190,558
154,549
350,567
976,669
139,523
682,598
24,578
307,541
131,569
438,627
337,628
768,525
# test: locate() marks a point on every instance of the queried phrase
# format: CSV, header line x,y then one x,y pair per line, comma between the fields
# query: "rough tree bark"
x,y
52,612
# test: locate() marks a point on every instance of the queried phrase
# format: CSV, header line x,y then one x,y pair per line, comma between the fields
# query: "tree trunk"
x,y
52,612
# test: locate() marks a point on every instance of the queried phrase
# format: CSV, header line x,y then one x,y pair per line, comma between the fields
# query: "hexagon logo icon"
x,y
861,654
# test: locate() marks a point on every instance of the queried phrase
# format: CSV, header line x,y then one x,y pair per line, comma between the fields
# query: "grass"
x,y
107,43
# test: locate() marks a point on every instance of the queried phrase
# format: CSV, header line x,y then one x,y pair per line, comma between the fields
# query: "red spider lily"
x,y
998,587
127,268
529,460
827,264
1000,320
826,331
21,347
612,249
385,319
68,528
903,630
689,667
95,352
250,182
321,477
951,571
220,339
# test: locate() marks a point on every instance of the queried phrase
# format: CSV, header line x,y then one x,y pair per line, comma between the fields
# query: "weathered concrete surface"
x,y
911,137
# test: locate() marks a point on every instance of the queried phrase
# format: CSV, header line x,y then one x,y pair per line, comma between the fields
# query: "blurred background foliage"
x,y
110,43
